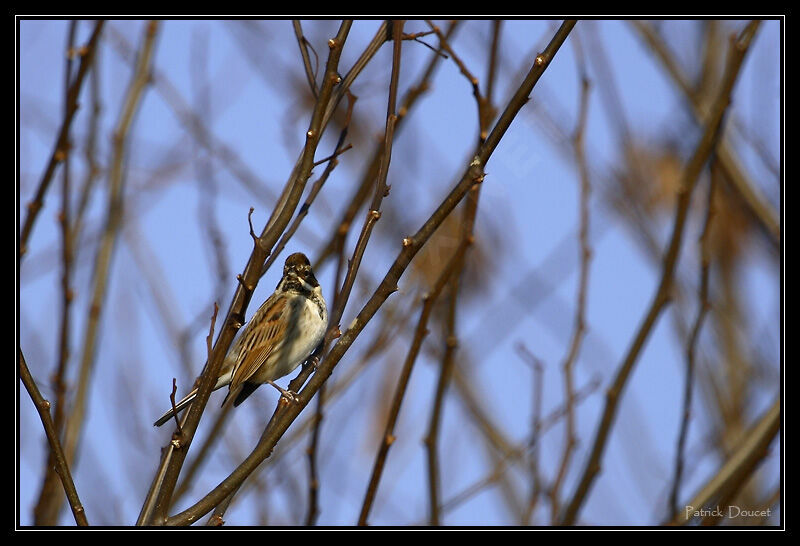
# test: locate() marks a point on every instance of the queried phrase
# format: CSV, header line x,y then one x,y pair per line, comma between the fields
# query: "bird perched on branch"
x,y
281,335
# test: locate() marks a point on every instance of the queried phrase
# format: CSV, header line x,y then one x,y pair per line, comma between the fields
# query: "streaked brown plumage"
x,y
282,333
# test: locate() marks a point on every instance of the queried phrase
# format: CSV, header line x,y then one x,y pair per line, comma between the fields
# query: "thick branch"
x,y
59,459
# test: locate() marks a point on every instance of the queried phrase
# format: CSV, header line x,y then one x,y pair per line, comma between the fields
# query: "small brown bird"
x,y
281,335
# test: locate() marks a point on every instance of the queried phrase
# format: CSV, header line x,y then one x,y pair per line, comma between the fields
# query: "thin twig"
x,y
62,140
381,190
662,296
90,152
313,475
486,114
703,305
175,443
579,328
336,95
179,432
381,187
516,452
196,125
485,110
215,520
46,510
67,253
315,188
537,367
210,336
311,74
333,156
215,432
360,196
388,438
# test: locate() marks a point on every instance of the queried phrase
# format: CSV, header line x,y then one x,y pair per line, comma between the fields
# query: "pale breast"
x,y
311,323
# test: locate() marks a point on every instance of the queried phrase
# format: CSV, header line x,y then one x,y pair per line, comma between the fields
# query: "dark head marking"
x,y
299,267
298,262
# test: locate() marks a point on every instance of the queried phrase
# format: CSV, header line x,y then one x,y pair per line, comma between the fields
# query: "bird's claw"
x,y
291,396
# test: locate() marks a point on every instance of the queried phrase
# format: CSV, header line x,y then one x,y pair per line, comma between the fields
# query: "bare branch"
x,y
585,252
691,347
739,466
60,149
486,114
661,298
59,458
46,509
745,187
304,45
429,300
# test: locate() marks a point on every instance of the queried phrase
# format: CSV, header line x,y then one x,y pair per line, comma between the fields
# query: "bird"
x,y
281,335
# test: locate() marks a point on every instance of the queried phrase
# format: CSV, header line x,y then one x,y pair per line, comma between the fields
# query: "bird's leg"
x,y
291,396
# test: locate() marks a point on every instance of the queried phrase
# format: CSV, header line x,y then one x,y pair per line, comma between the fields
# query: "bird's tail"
x,y
186,400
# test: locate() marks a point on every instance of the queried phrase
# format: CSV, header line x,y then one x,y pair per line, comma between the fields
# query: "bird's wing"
x,y
266,335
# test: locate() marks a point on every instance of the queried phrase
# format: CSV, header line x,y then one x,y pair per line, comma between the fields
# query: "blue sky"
x,y
526,224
